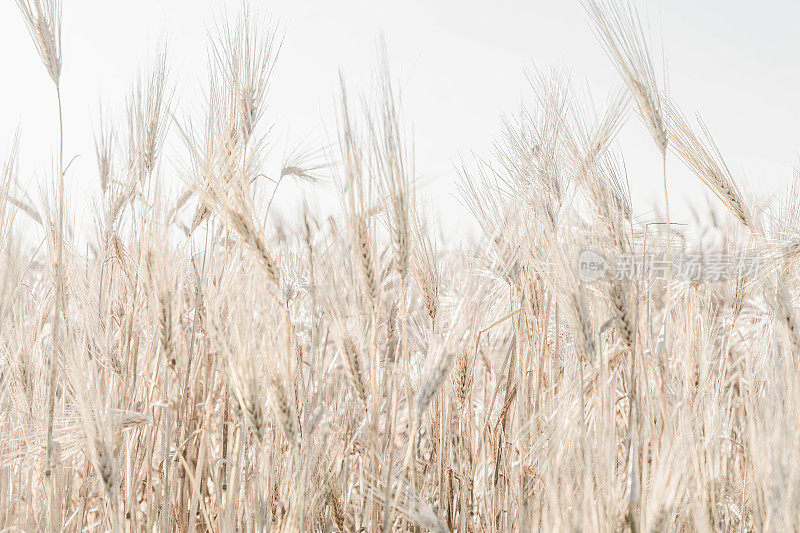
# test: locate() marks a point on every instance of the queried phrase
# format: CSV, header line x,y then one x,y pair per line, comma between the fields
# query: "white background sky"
x,y
461,64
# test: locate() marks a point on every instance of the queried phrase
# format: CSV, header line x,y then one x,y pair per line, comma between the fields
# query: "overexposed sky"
x,y
461,66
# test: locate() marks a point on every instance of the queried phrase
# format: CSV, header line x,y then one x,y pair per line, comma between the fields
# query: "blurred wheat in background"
x,y
195,363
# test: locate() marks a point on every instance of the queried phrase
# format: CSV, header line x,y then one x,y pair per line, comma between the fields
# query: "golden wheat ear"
x,y
702,156
43,19
620,31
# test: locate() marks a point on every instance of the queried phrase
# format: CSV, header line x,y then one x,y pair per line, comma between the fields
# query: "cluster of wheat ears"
x,y
198,364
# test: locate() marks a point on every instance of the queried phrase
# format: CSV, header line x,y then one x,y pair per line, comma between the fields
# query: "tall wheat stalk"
x,y
43,20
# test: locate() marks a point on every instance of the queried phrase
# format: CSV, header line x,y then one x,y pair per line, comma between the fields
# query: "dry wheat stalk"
x,y
172,391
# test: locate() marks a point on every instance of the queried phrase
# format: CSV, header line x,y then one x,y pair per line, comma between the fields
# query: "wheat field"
x,y
195,363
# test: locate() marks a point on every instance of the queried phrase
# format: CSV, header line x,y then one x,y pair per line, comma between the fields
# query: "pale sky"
x,y
461,65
